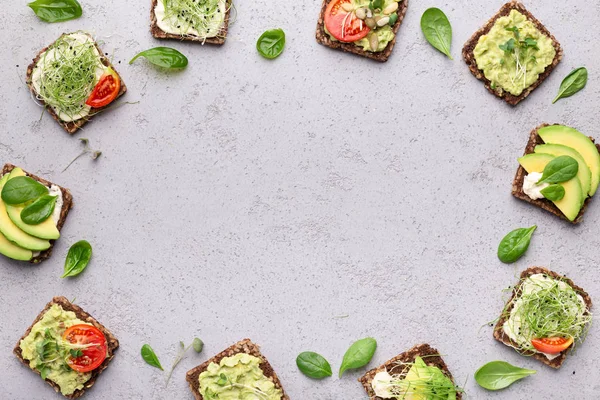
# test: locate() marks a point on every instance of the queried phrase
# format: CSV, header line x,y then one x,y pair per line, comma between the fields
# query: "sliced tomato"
x,y
344,25
106,90
552,345
89,344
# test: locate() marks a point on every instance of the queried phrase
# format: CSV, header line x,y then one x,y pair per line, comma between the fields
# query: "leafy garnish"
x,y
515,244
56,10
150,357
313,365
554,192
509,46
271,43
206,19
560,169
21,189
86,150
437,30
573,83
77,259
358,355
164,57
197,344
39,211
497,375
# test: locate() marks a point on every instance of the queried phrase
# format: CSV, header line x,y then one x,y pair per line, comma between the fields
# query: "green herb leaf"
x,y
572,83
554,192
222,380
515,244
164,57
514,30
56,10
560,169
198,345
44,371
313,365
530,42
508,46
150,357
271,43
77,259
39,211
437,30
358,355
498,375
22,189
76,353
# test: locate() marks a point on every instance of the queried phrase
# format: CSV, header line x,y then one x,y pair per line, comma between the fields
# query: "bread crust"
x,y
502,337
469,56
381,56
244,346
111,340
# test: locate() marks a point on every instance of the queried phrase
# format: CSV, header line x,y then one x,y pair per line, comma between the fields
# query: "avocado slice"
x,y
45,230
11,250
571,204
584,174
560,134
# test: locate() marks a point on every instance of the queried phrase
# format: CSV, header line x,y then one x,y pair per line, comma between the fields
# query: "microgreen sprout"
x,y
520,51
206,17
197,344
86,150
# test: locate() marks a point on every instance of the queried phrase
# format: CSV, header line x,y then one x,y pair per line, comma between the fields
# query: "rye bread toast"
x,y
469,57
111,340
72,126
66,207
503,337
244,346
432,358
381,56
517,186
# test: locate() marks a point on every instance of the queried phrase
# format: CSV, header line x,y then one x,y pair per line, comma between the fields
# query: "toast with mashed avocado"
x,y
546,316
74,80
238,372
513,53
67,347
415,374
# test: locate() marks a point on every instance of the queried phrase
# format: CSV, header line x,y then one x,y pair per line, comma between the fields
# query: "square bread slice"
x,y
72,126
502,337
469,57
381,56
432,358
112,341
517,186
67,205
245,346
160,34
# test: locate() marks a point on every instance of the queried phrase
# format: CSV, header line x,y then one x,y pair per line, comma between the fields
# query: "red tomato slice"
x,y
344,26
106,90
92,343
553,345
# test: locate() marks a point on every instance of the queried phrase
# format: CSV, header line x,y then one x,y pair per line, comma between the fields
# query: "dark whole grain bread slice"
x,y
432,358
67,205
469,57
381,56
112,341
72,126
503,337
160,34
244,346
517,186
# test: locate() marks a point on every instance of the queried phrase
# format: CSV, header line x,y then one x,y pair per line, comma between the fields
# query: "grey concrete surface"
x,y
304,202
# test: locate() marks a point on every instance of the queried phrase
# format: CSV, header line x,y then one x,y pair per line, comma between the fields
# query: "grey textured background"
x,y
303,202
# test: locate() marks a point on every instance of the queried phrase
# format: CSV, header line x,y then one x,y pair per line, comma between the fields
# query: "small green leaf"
x,y
39,211
515,244
44,370
56,10
22,189
313,365
498,375
572,83
560,169
508,46
437,30
77,259
198,345
271,43
76,353
150,357
530,42
554,192
515,31
164,57
222,380
358,355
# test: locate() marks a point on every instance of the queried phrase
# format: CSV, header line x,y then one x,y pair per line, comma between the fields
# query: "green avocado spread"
x,y
237,377
43,350
513,54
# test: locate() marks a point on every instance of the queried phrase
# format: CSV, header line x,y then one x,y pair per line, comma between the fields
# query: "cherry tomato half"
x,y
344,25
106,90
552,345
91,343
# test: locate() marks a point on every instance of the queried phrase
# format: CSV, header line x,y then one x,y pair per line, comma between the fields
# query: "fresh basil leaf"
x,y
77,259
22,189
572,83
164,57
198,345
313,365
498,375
358,355
515,244
39,211
554,192
437,30
150,357
271,43
56,10
560,169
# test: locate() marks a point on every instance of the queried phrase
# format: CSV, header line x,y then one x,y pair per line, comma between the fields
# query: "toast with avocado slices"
x,y
25,242
203,21
546,316
416,373
356,28
513,53
58,330
74,80
547,143
236,372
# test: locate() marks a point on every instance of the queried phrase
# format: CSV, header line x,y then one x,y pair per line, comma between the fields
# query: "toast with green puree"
x,y
367,28
546,316
547,143
203,21
74,80
238,372
26,241
67,347
419,373
513,53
